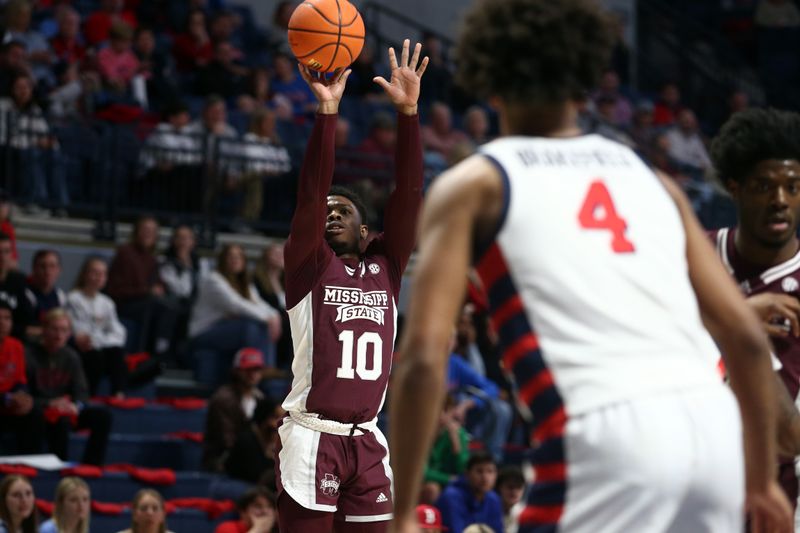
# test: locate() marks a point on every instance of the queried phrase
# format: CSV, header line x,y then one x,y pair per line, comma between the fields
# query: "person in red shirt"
x,y
192,48
98,25
68,44
256,514
17,412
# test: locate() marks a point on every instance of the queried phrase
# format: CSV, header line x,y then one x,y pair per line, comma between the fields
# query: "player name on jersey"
x,y
354,303
573,158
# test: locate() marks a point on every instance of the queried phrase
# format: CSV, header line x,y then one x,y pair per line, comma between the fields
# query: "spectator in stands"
x,y
264,160
231,408
440,136
148,514
372,162
13,290
7,225
213,123
511,487
137,289
71,507
68,45
258,93
449,454
18,22
153,66
33,150
642,131
429,519
192,49
17,506
13,61
171,163
437,84
98,334
18,415
98,25
268,277
777,14
288,83
622,111
223,27
229,314
42,289
180,269
685,144
470,498
118,64
466,340
257,513
67,98
668,105
476,125
252,456
480,408
278,31
223,75
58,386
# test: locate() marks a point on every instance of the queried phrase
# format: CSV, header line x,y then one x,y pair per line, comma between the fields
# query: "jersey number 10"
x,y
369,341
598,212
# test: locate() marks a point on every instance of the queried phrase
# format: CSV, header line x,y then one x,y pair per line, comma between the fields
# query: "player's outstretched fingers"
x,y
404,54
415,57
422,67
392,58
342,78
382,82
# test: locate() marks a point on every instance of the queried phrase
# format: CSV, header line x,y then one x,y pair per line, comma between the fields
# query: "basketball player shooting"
x,y
575,236
333,468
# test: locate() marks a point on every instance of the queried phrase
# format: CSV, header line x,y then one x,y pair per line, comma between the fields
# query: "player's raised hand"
x,y
769,510
328,91
403,89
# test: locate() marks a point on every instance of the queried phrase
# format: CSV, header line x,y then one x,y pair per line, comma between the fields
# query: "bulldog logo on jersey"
x,y
790,285
354,304
329,485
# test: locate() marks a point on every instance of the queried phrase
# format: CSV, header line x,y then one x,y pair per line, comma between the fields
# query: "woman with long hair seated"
x,y
71,510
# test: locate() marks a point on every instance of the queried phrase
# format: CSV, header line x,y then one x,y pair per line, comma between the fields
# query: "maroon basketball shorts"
x,y
323,468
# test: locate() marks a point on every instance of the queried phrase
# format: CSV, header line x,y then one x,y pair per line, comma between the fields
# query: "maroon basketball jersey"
x,y
343,312
343,355
783,278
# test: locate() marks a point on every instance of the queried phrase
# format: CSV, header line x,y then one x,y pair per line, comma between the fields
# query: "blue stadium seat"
x,y
157,420
144,450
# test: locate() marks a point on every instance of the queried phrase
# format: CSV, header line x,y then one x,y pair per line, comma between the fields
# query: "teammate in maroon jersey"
x,y
333,468
757,158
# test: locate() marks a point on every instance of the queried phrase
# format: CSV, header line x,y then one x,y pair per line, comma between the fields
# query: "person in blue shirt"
x,y
479,406
470,499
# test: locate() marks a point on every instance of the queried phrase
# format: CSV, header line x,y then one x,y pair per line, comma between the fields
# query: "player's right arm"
x,y
306,247
739,334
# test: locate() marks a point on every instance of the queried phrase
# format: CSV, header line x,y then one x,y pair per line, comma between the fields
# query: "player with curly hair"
x,y
756,156
575,236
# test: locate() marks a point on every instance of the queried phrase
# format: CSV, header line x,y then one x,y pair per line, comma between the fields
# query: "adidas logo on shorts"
x,y
381,498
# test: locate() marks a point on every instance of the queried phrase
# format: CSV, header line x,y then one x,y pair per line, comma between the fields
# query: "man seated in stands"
x,y
252,457
12,289
17,413
440,136
42,290
470,498
59,388
231,408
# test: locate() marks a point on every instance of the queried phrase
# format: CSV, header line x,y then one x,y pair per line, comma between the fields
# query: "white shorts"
x,y
671,463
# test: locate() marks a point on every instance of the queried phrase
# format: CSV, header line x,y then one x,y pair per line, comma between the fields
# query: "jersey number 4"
x,y
369,343
598,212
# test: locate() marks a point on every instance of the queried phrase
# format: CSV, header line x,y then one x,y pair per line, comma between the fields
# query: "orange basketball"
x,y
326,34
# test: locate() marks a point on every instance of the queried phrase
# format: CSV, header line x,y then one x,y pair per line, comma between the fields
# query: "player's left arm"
x,y
462,203
402,209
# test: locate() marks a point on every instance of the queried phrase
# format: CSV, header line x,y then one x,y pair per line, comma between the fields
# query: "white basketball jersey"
x,y
587,277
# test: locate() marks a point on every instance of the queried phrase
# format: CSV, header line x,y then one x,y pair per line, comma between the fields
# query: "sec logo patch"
x,y
790,284
374,268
